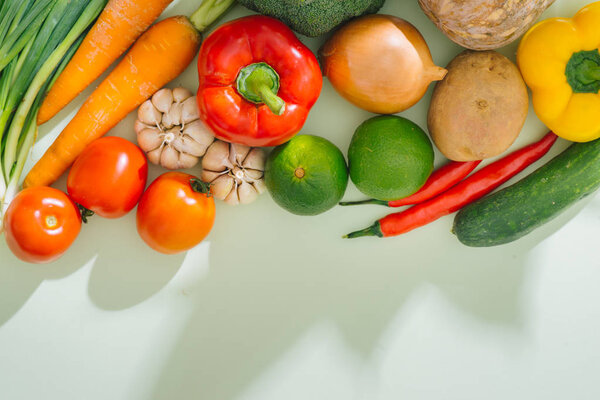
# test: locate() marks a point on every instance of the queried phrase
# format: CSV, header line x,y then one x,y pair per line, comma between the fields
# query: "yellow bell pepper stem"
x,y
583,72
560,62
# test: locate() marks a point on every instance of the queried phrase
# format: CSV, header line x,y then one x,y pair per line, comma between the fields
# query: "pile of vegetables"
x,y
257,85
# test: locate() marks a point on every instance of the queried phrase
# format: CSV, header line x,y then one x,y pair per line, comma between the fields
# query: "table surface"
x,y
276,306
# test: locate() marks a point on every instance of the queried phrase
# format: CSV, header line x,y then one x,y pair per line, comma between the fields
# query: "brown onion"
x,y
379,63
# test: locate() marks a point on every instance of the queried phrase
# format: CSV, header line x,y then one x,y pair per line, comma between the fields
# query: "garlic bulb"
x,y
169,130
235,172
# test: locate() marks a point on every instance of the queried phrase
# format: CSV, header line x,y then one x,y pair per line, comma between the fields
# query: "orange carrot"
x,y
119,25
159,56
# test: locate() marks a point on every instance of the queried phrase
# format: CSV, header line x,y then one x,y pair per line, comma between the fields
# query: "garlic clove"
x,y
163,99
189,111
172,117
185,144
260,186
238,153
187,160
222,187
233,198
149,139
139,126
154,155
217,157
255,159
247,193
169,158
253,174
181,94
199,132
148,114
209,176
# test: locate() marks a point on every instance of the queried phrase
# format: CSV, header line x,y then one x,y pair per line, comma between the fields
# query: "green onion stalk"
x,y
54,30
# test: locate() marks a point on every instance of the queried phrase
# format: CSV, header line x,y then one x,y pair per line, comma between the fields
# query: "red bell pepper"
x,y
257,82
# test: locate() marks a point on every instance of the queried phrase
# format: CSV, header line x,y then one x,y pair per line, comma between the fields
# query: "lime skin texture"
x,y
390,157
307,175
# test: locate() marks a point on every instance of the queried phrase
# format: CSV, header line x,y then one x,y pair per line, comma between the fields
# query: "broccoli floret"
x,y
313,17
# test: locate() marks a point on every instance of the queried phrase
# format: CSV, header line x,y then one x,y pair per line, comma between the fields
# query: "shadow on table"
x,y
19,280
255,305
124,273
257,302
127,272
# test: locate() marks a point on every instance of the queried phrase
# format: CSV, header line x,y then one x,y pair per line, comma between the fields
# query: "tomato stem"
x,y
85,213
200,186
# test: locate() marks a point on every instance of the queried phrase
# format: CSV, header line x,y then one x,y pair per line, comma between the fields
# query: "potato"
x,y
479,108
484,24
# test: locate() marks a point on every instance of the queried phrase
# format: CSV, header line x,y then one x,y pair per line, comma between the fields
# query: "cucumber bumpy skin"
x,y
516,210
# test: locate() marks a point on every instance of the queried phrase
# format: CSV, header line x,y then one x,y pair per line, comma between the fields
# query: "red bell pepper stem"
x,y
441,180
259,83
474,187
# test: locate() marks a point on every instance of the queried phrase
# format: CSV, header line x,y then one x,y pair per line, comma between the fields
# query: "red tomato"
x,y
175,213
108,177
40,224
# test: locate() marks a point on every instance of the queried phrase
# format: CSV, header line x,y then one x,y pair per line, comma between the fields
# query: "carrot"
x,y
159,56
119,25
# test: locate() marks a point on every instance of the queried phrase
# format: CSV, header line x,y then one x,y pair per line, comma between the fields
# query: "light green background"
x,y
276,306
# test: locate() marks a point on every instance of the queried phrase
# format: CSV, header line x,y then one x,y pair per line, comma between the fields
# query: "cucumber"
x,y
516,210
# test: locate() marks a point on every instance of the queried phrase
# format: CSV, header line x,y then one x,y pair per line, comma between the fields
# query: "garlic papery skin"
x,y
235,172
169,129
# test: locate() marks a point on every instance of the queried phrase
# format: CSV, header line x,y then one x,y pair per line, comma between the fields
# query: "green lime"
x,y
389,157
307,175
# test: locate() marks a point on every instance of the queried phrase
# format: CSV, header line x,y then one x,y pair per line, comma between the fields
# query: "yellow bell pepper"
x,y
560,62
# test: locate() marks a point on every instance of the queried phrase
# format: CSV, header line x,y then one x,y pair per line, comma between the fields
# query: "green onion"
x,y
11,15
30,128
24,31
27,75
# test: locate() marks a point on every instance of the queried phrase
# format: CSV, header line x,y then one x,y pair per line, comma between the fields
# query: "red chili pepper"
x,y
441,180
257,81
474,187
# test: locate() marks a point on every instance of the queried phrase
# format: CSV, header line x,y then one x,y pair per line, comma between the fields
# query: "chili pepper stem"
x,y
209,12
373,230
368,201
